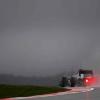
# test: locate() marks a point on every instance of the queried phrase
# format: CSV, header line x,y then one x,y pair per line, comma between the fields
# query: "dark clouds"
x,y
48,36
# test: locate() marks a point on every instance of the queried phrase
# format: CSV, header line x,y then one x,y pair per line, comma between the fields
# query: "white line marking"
x,y
73,91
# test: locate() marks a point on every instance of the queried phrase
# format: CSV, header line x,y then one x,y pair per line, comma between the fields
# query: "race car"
x,y
84,78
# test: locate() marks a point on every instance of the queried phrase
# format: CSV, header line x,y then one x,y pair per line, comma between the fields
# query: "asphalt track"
x,y
74,94
90,95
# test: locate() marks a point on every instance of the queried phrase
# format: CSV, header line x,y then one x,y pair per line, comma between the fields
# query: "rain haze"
x,y
47,37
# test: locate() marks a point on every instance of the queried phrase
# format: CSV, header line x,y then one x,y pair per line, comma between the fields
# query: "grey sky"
x,y
45,37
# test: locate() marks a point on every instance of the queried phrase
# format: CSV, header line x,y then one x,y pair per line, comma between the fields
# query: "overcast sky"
x,y
46,37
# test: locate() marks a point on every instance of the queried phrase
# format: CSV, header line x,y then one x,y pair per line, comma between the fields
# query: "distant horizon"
x,y
46,37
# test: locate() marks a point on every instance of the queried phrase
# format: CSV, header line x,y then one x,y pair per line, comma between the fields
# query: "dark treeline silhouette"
x,y
22,80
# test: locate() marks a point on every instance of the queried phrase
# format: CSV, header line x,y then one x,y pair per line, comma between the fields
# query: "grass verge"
x,y
7,91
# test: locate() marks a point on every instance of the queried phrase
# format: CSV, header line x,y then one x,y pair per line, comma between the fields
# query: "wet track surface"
x,y
90,95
